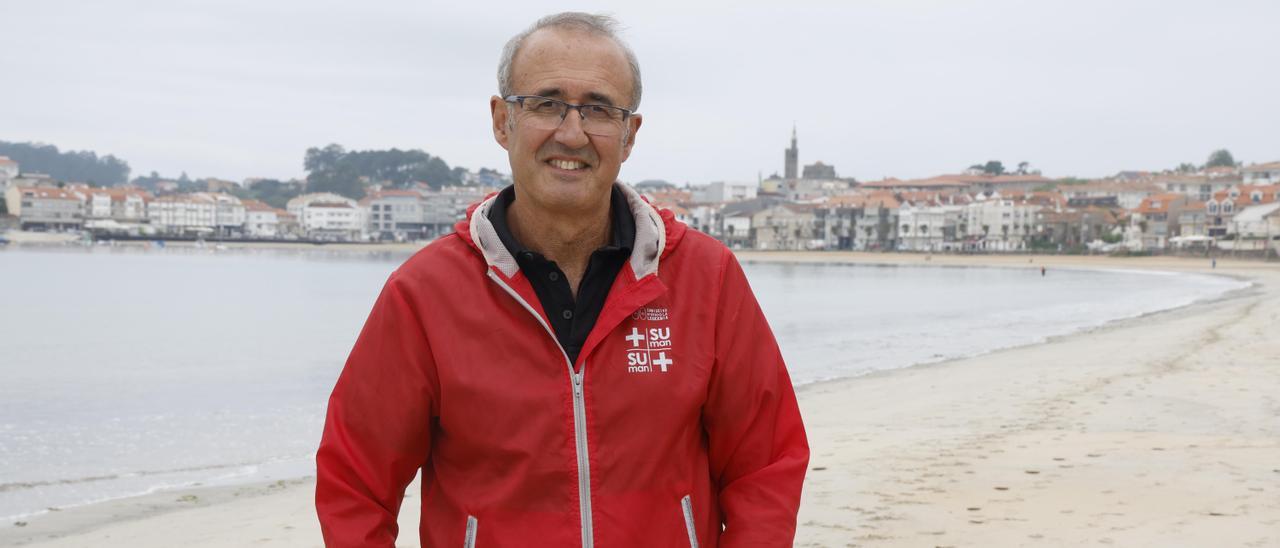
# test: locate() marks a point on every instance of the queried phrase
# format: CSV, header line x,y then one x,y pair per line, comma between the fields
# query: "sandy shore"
x,y
1158,431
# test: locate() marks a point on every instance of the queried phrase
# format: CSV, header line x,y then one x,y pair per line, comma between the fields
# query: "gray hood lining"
x,y
651,236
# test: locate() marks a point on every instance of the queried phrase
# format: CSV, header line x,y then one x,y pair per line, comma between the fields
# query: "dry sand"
x,y
1158,431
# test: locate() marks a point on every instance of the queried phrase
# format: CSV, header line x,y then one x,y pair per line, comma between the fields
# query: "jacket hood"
x,y
657,234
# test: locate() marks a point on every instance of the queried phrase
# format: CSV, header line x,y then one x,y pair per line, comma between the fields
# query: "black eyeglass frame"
x,y
520,99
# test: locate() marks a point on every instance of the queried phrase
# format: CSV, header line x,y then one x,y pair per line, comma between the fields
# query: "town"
x,y
1219,207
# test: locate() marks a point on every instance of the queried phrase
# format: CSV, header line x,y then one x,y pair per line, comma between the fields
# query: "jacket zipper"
x,y
579,419
686,505
470,540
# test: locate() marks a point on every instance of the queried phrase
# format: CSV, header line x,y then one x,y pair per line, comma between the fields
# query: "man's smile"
x,y
568,164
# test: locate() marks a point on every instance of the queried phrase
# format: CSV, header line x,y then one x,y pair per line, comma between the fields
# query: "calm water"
x,y
125,372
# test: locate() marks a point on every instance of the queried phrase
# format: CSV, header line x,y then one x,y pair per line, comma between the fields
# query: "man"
x,y
571,367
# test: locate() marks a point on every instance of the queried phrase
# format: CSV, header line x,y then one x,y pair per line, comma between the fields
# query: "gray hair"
x,y
598,25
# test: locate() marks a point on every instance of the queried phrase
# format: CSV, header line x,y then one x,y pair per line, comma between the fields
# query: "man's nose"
x,y
570,132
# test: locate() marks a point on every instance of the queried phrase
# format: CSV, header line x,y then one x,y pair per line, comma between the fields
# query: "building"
x,y
785,226
1261,174
396,215
934,184
736,222
1192,221
819,170
261,220
810,190
114,209
720,192
328,216
930,226
1200,186
218,185
1000,224
792,157
875,220
1156,219
444,207
184,214
45,208
1257,227
1074,228
1127,195
1224,204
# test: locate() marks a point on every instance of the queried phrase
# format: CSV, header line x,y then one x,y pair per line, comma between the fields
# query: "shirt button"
x,y
567,314
553,276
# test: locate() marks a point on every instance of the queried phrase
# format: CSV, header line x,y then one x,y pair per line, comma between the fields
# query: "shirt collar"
x,y
622,237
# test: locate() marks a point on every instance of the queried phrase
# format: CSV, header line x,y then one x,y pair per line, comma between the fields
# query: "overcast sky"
x,y
240,88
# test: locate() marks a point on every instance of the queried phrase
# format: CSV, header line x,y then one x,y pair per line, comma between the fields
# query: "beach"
x,y
1162,430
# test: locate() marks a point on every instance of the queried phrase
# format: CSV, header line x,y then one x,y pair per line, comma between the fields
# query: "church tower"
x,y
793,157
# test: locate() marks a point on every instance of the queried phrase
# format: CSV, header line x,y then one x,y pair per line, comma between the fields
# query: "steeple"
x,y
792,162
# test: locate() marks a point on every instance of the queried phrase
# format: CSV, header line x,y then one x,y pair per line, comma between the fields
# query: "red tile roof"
x,y
48,193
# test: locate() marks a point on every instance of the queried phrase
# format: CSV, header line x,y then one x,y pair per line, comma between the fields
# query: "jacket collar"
x,y
657,232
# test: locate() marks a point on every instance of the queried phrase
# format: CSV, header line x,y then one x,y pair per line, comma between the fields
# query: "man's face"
x,y
577,68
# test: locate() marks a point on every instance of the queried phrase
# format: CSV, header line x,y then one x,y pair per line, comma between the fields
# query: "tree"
x,y
1023,166
993,167
272,192
73,165
1185,167
1220,158
345,172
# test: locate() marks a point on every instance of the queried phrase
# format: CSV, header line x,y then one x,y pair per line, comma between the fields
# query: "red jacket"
x,y
677,426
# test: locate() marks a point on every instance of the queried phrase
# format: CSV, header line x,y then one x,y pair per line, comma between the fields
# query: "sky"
x,y
907,88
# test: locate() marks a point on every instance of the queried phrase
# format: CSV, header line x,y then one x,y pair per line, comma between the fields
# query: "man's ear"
x,y
500,113
629,138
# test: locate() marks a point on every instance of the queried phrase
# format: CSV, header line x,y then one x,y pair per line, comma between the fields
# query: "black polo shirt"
x,y
571,319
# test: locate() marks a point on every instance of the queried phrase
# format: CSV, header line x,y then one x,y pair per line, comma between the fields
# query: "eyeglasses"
x,y
547,113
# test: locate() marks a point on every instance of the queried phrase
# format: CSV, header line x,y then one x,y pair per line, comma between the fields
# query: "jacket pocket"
x,y
686,507
470,540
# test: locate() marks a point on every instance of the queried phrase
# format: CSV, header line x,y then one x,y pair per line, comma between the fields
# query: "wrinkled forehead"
x,y
572,65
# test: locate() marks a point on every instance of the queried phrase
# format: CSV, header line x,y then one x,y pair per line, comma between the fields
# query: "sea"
x,y
126,371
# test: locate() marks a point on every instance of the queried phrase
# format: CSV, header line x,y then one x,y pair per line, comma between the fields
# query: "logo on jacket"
x,y
649,347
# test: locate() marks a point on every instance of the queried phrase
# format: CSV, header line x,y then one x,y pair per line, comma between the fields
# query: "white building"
x,y
325,215
997,224
328,216
930,227
1198,187
720,192
261,220
183,214
1257,227
1262,174
333,221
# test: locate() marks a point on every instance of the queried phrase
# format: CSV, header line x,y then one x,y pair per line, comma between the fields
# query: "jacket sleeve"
x,y
758,450
376,433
